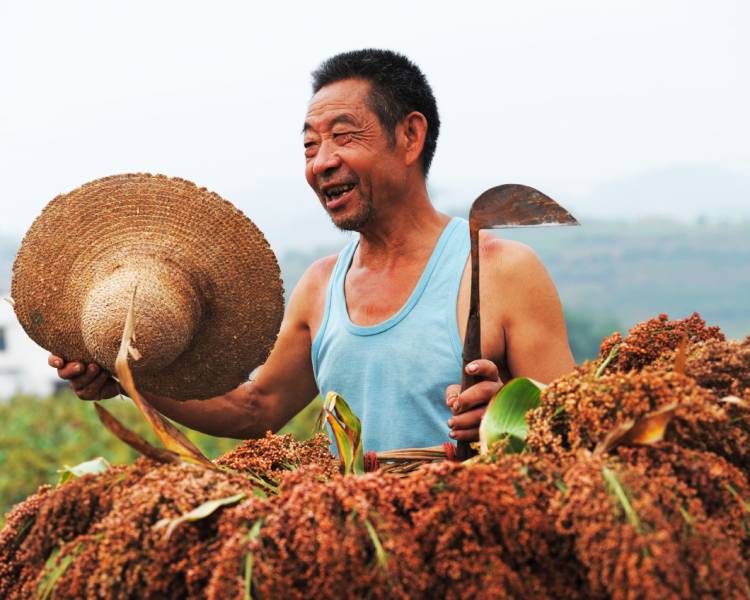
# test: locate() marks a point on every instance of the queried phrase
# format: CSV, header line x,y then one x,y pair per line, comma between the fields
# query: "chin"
x,y
353,220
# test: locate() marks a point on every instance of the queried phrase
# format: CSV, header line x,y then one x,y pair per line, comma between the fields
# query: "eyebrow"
x,y
342,118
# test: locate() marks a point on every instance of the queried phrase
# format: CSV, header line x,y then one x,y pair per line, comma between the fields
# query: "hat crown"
x,y
166,307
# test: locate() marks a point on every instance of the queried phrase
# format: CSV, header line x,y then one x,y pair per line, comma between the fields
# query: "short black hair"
x,y
398,88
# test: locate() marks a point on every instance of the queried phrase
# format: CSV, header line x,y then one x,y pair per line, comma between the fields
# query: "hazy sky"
x,y
565,96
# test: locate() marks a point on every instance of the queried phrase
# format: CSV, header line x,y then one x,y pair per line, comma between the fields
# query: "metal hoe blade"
x,y
504,206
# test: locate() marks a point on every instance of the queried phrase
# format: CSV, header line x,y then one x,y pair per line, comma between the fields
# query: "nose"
x,y
326,159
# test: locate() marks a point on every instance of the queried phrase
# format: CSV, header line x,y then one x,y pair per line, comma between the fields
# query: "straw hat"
x,y
209,299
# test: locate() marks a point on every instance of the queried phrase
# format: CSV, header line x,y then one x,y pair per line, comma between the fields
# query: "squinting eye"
x,y
342,138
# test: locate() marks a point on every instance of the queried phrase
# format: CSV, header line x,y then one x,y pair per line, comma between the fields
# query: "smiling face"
x,y
349,161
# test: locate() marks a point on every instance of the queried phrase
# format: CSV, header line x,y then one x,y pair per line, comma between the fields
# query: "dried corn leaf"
x,y
734,400
201,512
134,440
172,438
647,430
680,356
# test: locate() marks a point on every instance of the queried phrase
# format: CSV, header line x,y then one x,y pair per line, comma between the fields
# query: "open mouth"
x,y
337,195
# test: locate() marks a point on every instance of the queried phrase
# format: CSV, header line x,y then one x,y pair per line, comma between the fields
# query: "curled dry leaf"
x,y
134,440
736,401
680,356
647,430
201,512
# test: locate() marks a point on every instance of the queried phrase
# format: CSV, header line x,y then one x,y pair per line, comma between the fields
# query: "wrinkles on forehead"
x,y
340,119
340,103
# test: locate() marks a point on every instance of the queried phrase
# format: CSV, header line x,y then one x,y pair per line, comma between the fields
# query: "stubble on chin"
x,y
356,221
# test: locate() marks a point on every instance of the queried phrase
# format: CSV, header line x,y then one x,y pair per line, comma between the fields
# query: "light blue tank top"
x,y
394,374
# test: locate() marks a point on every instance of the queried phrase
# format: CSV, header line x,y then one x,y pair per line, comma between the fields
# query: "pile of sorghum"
x,y
562,520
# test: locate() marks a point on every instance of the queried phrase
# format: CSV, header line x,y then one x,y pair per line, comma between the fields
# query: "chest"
x,y
375,296
372,298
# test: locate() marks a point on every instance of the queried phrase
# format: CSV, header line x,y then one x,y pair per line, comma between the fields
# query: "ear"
x,y
414,133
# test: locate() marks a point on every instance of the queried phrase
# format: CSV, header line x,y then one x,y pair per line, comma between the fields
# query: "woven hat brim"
x,y
79,235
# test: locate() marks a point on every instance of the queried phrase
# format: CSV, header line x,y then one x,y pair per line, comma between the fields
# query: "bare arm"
x,y
523,331
283,386
536,340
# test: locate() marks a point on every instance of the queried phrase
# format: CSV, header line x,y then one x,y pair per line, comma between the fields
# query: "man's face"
x,y
348,159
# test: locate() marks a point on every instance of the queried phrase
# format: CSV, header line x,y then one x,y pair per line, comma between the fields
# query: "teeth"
x,y
339,190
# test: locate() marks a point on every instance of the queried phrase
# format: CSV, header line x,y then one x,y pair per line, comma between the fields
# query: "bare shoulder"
x,y
307,300
527,308
509,259
512,271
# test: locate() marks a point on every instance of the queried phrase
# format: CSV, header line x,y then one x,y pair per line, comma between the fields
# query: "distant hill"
x,y
678,192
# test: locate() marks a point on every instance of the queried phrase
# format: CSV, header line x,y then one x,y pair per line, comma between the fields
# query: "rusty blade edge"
x,y
519,225
132,439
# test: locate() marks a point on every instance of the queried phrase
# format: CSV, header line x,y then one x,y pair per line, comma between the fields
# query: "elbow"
x,y
250,417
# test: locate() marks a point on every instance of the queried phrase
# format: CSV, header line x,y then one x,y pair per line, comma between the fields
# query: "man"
x,y
382,322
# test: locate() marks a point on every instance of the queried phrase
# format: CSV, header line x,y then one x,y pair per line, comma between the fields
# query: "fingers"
x,y
465,435
469,406
477,395
88,381
468,420
93,391
451,395
86,376
486,369
71,370
55,361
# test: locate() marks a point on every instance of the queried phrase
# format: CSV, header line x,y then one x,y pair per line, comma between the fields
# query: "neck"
x,y
406,228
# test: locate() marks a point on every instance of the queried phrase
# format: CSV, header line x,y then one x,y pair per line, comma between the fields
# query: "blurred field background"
x,y
41,435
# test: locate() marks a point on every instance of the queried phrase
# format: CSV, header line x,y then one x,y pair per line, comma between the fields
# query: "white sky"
x,y
564,96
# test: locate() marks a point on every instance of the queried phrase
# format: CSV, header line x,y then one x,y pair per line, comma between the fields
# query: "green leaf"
x,y
94,466
347,432
201,512
343,443
380,552
606,362
616,487
53,570
250,559
505,417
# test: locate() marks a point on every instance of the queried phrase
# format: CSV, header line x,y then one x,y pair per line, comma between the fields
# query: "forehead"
x,y
346,98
